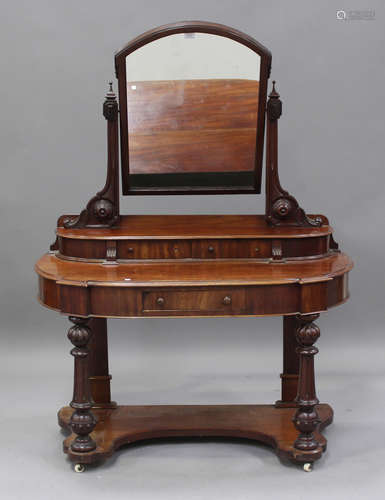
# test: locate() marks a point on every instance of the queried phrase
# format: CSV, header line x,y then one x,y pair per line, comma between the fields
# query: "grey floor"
x,y
39,381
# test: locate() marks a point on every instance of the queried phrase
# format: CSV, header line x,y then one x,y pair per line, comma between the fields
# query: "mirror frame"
x,y
192,27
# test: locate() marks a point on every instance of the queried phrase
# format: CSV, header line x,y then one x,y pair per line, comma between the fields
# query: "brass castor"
x,y
308,467
79,468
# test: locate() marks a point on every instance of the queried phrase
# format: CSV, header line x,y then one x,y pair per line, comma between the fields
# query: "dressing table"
x,y
192,116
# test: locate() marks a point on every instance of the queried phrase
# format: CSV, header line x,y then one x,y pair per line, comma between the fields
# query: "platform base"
x,y
265,423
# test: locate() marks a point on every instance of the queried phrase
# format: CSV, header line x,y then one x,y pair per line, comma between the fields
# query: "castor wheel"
x,y
308,467
79,468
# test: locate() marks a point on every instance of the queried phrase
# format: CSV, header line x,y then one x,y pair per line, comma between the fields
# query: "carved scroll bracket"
x,y
282,209
103,209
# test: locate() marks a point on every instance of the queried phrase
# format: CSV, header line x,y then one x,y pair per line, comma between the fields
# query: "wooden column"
x,y
289,376
82,420
102,210
306,418
98,364
282,209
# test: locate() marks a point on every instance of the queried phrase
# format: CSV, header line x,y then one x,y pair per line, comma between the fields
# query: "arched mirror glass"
x,y
192,106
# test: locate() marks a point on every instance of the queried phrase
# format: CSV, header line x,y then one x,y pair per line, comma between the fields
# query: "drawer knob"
x,y
256,249
211,249
130,250
160,301
226,300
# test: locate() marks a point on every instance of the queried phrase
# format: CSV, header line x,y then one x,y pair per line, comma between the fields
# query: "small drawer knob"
x,y
211,249
226,300
130,250
256,249
160,301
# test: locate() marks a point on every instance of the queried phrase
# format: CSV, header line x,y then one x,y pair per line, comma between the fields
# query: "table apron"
x,y
166,301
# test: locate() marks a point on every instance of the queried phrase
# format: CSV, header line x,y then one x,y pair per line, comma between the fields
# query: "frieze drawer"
x,y
231,249
226,300
157,249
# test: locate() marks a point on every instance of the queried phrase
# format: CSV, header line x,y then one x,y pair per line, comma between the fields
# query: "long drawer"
x,y
226,301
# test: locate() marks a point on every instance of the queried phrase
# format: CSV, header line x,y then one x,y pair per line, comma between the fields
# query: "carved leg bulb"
x,y
82,420
306,418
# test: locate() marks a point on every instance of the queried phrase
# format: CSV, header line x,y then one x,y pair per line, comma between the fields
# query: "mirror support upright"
x,y
282,208
103,209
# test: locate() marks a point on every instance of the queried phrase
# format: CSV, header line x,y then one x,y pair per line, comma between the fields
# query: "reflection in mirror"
x,y
192,102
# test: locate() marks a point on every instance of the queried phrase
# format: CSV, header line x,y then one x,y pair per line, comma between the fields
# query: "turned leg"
x,y
98,364
82,420
306,417
289,377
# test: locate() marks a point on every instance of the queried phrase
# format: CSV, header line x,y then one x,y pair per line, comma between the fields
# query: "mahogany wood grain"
x,y
99,250
191,27
169,105
192,227
193,288
231,248
223,301
145,238
98,371
153,249
289,375
180,126
194,272
263,423
91,249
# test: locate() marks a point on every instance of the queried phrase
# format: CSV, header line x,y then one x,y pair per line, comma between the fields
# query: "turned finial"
x,y
110,106
110,93
274,93
274,105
